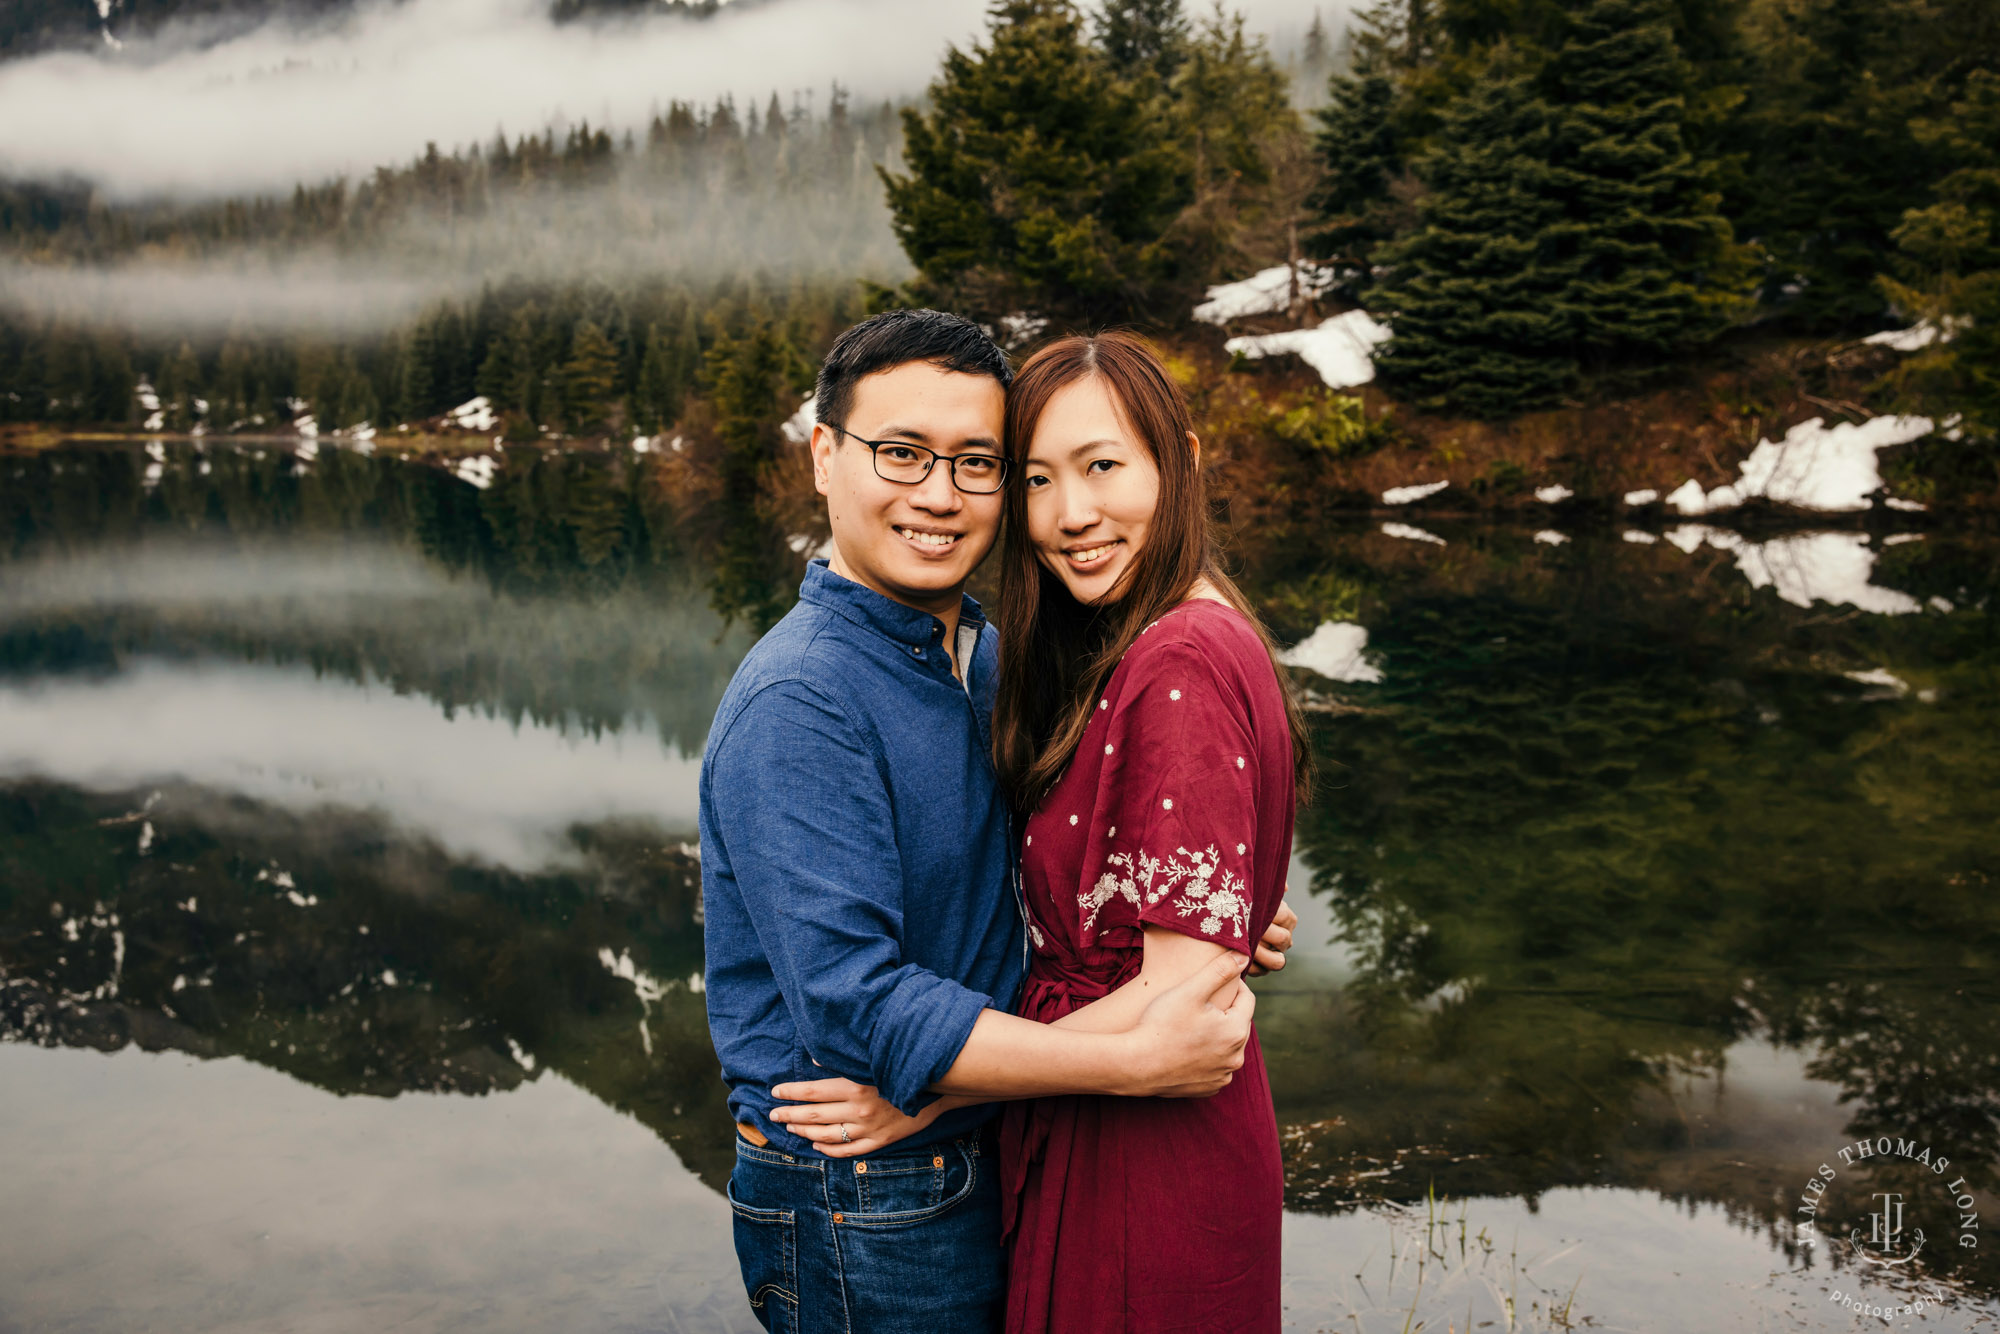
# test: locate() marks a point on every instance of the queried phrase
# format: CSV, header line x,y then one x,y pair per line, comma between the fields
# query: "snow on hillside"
x,y
1341,349
1814,467
473,415
1267,292
1403,495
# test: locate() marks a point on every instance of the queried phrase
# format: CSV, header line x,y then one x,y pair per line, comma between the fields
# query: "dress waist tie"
x,y
1024,1126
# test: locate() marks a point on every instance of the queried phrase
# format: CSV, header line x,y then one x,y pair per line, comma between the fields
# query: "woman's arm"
x,y
1169,958
845,1119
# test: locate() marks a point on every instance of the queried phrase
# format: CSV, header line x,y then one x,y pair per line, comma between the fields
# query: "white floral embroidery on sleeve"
x,y
1196,881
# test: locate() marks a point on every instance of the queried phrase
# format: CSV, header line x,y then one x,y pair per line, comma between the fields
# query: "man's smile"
x,y
929,541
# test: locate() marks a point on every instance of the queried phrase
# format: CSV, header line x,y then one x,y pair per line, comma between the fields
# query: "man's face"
x,y
916,543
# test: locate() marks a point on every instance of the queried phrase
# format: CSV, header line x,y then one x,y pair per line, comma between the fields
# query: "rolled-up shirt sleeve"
x,y
802,810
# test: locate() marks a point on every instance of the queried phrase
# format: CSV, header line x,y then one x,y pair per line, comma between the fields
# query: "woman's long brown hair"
x,y
1057,654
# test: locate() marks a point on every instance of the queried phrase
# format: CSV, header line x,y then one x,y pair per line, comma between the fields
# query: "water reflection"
x,y
1647,882
483,788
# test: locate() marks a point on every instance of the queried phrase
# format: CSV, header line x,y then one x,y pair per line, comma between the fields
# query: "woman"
x,y
1146,730
1149,740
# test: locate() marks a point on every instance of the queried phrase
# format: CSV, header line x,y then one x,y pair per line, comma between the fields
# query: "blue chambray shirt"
x,y
857,860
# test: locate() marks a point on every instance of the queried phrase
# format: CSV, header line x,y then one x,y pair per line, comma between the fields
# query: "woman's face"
x,y
1092,487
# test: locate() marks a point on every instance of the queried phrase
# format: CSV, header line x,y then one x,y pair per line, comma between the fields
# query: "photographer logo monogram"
x,y
1895,1234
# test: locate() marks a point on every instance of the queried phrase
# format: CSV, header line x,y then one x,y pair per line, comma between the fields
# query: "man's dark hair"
x,y
895,338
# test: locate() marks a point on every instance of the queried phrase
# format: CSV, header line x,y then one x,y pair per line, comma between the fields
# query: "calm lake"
x,y
350,915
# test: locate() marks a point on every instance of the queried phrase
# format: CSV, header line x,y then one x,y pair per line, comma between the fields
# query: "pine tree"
x,y
1317,51
656,399
1948,269
590,379
180,388
416,387
1142,36
1567,229
1833,162
747,379
1359,144
1037,173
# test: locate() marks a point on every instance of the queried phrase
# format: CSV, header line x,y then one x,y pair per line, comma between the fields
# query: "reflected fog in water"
x,y
350,957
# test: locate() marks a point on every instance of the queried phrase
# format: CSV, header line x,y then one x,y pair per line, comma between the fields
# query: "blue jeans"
x,y
891,1244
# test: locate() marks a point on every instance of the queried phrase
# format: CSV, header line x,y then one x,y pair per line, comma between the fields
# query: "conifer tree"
x,y
416,389
656,398
1833,160
1317,51
1037,172
1359,145
747,379
1142,36
1948,271
590,379
179,387
1567,229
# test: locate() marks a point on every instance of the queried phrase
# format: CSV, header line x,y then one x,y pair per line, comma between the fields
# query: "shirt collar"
x,y
871,611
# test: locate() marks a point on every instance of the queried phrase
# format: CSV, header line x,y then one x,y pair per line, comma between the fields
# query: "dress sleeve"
x,y
1178,805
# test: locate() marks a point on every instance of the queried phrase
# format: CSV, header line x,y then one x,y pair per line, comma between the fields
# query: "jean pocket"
x,y
913,1188
767,1251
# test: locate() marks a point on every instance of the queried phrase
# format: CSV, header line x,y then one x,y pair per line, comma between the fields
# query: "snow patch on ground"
x,y
1412,533
306,427
1553,495
1334,651
1880,676
1342,349
1020,329
473,415
802,545
1403,495
1266,292
1645,497
1805,568
1641,536
1918,336
1814,467
798,427
1551,537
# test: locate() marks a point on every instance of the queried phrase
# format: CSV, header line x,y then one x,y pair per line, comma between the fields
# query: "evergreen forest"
x,y
1549,202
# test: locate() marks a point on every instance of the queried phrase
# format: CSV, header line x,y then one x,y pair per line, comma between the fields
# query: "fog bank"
x,y
262,110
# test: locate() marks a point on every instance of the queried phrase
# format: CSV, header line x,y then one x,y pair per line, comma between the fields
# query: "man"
x,y
862,918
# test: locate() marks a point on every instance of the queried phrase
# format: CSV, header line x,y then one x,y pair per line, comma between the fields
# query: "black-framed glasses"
x,y
900,461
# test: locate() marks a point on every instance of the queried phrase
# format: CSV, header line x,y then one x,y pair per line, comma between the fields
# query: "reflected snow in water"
x,y
350,927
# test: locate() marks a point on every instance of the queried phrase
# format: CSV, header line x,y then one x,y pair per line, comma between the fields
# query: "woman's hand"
x,y
826,1107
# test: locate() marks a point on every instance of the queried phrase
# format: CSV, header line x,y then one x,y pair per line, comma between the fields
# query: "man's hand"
x,y
1270,955
1189,1041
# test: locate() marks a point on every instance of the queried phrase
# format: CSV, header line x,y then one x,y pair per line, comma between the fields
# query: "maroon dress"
x,y
1154,1214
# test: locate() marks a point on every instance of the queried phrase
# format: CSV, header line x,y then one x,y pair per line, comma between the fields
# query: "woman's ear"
x,y
1194,445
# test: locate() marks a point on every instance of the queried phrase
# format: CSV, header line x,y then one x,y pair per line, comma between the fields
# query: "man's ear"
x,y
824,439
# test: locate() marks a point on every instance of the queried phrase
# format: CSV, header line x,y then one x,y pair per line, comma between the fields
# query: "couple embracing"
x,y
977,902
